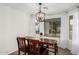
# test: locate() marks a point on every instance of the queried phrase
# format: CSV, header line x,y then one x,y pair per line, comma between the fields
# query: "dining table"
x,y
45,41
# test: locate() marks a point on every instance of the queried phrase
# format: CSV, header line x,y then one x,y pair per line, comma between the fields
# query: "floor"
x,y
60,52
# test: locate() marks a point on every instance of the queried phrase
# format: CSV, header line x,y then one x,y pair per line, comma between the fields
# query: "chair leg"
x,y
56,49
24,53
28,53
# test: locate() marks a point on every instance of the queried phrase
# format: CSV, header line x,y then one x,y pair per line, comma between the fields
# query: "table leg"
x,y
55,49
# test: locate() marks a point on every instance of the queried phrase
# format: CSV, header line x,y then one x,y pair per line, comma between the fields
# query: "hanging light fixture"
x,y
40,16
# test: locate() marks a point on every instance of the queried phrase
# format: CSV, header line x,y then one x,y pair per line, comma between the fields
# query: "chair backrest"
x,y
34,45
21,42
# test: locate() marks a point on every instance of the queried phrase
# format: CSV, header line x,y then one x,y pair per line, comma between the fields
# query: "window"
x,y
70,26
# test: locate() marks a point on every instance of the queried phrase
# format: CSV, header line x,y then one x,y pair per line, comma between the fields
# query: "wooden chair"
x,y
22,45
53,49
44,48
36,49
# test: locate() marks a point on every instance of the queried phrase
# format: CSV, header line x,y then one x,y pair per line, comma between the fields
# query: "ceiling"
x,y
52,8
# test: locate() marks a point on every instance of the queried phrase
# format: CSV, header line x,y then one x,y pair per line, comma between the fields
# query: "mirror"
x,y
52,27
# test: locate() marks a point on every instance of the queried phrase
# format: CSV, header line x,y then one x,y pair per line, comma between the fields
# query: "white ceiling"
x,y
53,8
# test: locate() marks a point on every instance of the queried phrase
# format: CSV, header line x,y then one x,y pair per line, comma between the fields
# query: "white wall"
x,y
32,26
75,33
64,31
78,31
13,22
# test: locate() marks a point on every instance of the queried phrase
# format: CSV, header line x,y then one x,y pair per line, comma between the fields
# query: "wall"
x,y
47,28
75,32
13,23
32,26
64,31
78,31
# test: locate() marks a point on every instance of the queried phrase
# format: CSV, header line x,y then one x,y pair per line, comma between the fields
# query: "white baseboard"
x,y
12,52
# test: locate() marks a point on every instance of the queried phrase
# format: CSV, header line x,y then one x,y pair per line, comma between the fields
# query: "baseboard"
x,y
12,52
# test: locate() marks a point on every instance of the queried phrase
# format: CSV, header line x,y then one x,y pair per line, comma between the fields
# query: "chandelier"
x,y
40,16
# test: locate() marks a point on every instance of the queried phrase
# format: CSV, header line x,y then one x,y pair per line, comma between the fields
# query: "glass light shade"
x,y
40,16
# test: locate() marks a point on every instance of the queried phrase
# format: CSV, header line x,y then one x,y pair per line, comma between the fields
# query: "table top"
x,y
42,40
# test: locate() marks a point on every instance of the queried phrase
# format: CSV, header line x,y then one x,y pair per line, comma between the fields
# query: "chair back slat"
x,y
21,42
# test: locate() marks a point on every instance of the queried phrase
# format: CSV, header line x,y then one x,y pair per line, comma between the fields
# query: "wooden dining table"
x,y
46,41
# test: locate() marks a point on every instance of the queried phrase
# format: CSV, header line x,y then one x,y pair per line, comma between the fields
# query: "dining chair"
x,y
53,48
44,47
36,49
22,46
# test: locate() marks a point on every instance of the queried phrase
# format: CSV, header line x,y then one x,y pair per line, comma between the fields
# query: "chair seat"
x,y
43,49
24,48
